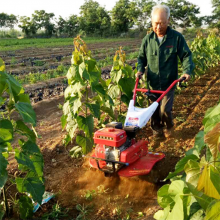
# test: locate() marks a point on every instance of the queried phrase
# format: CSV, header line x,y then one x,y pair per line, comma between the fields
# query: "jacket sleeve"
x,y
185,56
142,59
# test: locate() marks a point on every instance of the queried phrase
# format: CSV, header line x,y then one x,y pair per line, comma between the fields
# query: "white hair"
x,y
161,7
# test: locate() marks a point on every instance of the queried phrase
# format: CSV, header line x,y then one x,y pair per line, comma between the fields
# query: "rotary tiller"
x,y
116,149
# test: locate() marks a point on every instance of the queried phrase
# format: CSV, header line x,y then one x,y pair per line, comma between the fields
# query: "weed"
x,y
60,107
84,211
117,211
39,62
56,213
180,119
13,61
101,189
89,195
140,214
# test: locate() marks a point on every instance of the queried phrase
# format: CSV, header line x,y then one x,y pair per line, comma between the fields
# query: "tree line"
x,y
95,20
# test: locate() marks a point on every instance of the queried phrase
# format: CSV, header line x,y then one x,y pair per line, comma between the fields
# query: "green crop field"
x,y
19,44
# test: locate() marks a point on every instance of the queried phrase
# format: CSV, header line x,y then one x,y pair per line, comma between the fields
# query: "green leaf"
x,y
180,165
83,71
24,98
210,124
197,215
71,90
127,86
116,75
14,87
71,126
91,64
176,187
201,198
215,178
94,78
25,207
114,91
85,143
162,214
211,118
125,99
76,103
99,89
3,171
2,65
194,208
66,108
86,124
3,85
128,69
76,58
67,139
31,185
108,81
5,147
6,131
109,111
177,211
63,121
31,148
73,73
198,146
24,161
76,152
30,158
192,170
109,100
26,111
94,109
163,197
213,211
121,118
25,130
1,101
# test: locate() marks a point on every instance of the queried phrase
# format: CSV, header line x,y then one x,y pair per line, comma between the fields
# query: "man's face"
x,y
160,23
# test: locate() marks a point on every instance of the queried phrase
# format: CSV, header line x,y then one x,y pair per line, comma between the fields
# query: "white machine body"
x,y
139,116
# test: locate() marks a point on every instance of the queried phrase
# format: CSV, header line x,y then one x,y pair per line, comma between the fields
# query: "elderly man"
x,y
158,54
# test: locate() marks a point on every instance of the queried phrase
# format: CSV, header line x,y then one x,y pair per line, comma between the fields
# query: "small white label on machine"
x,y
132,121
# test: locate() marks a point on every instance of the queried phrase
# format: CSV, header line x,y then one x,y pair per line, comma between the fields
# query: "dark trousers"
x,y
163,115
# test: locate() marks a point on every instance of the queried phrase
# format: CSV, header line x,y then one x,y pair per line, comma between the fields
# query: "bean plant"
x,y
194,192
85,98
206,52
17,121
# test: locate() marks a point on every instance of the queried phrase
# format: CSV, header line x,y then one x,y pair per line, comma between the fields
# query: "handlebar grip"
x,y
182,79
140,76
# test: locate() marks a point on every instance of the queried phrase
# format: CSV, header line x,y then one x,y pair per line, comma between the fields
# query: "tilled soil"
x,y
32,60
116,197
56,87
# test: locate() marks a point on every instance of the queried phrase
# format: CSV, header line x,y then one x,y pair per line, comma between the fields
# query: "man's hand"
x,y
139,74
187,77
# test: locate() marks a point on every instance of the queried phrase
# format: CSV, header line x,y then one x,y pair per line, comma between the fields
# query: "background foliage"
x,y
95,20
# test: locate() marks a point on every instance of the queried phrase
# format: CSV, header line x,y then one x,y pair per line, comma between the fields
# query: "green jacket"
x,y
161,59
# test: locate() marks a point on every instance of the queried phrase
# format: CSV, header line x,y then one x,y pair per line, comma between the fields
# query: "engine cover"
x,y
110,137
134,152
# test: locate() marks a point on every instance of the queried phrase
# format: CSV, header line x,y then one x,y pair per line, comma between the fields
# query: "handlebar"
x,y
163,93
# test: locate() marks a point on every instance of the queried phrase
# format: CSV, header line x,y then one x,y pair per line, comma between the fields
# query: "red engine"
x,y
113,144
